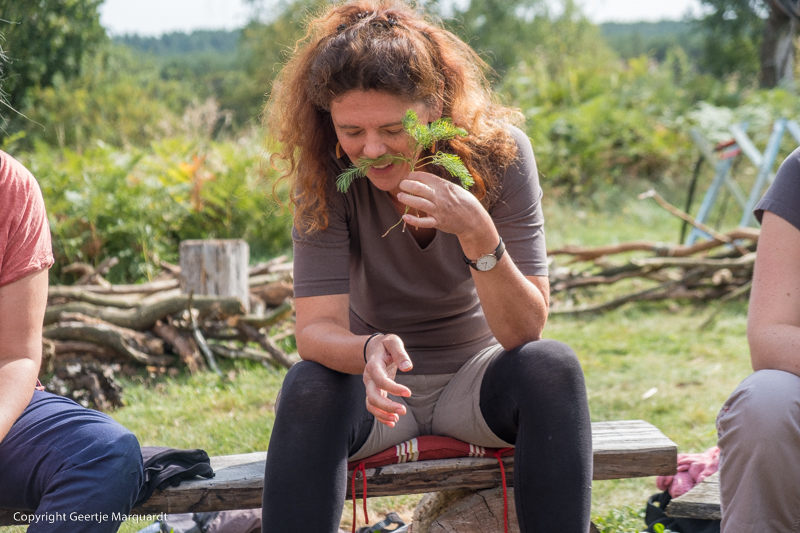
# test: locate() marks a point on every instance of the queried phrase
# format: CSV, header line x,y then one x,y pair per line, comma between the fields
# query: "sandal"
x,y
381,527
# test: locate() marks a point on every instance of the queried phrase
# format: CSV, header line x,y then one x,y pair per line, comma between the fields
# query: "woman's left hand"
x,y
447,207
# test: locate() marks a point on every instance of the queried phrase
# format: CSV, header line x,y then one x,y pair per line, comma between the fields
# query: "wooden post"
x,y
216,268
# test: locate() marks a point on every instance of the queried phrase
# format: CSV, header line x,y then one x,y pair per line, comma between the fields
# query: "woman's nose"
x,y
374,147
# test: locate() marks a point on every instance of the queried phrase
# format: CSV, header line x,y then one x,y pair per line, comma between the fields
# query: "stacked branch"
x,y
720,268
95,329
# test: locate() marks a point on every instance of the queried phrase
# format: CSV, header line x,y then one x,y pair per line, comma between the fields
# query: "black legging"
x,y
533,396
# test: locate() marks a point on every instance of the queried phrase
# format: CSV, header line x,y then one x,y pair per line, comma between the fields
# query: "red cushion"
x,y
426,448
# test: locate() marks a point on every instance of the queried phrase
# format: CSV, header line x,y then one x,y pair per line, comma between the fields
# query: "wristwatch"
x,y
488,261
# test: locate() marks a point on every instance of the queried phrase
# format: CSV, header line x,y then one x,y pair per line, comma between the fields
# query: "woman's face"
x,y
368,124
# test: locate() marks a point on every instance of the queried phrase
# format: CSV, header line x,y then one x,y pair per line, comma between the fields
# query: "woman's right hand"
x,y
385,354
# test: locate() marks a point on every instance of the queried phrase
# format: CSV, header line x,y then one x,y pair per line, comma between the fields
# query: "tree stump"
x,y
216,268
466,511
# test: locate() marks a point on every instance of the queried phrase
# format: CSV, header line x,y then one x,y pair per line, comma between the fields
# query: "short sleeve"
x,y
783,196
25,245
518,212
322,258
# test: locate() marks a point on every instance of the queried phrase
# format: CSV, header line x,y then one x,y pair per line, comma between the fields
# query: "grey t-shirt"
x,y
424,295
783,196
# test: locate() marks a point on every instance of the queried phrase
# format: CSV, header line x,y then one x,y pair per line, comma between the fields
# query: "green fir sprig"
x,y
423,137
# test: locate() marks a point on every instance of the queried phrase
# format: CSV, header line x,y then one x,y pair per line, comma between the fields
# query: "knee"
x,y
314,388
766,405
548,358
111,453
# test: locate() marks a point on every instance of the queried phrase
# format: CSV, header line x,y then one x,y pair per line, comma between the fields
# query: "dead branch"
x,y
282,312
95,275
144,316
83,295
264,268
622,300
274,293
183,345
660,249
689,262
243,353
144,288
739,291
253,335
124,341
202,345
691,220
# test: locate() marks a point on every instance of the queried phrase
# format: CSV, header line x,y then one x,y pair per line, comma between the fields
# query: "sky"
x,y
154,17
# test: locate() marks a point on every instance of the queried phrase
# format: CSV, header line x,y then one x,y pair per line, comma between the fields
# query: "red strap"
x,y
498,454
359,468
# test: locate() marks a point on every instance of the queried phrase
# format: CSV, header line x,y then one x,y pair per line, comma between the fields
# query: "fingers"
x,y
394,346
384,409
384,357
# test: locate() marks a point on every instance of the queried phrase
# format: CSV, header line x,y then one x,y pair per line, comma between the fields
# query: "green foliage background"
x,y
141,142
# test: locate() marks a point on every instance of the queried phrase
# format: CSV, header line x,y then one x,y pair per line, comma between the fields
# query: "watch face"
x,y
486,262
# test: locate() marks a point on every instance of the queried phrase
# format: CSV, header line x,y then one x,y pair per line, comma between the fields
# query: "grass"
x,y
625,353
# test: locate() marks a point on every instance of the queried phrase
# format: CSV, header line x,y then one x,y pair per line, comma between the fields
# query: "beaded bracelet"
x,y
365,345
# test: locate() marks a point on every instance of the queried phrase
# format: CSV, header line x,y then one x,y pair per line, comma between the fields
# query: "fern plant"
x,y
423,137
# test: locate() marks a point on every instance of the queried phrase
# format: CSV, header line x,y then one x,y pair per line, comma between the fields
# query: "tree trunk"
x,y
467,511
216,268
778,46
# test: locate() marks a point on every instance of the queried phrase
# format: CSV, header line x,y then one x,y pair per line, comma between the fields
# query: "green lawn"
x,y
625,353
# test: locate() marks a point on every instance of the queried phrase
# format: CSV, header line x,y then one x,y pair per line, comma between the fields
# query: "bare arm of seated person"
x,y
22,305
323,335
773,325
515,305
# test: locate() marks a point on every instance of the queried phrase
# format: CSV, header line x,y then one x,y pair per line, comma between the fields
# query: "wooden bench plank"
x,y
622,449
700,502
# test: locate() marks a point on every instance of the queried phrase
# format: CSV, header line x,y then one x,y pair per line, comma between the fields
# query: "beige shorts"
x,y
446,405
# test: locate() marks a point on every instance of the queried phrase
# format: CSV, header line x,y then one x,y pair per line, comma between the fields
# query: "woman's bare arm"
x,y
22,305
323,335
515,305
773,325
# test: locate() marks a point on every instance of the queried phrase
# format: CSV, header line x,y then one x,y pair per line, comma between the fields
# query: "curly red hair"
x,y
387,46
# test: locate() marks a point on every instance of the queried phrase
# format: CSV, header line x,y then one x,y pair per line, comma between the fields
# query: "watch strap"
x,y
497,253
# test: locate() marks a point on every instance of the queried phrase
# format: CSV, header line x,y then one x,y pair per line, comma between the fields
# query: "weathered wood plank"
x,y
622,449
700,502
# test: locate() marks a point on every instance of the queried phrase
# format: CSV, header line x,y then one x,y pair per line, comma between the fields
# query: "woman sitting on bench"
x,y
759,425
75,467
455,296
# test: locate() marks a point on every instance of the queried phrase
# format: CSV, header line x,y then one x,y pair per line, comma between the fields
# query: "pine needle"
x,y
452,164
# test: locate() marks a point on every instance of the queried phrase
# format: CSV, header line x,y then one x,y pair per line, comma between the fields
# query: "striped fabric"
x,y
426,448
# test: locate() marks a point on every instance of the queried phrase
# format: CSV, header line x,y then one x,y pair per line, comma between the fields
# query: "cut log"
x,y
82,295
274,293
216,268
468,512
253,335
144,316
66,348
125,342
143,288
183,345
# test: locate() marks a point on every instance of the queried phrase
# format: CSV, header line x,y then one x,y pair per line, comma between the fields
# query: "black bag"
x,y
654,514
